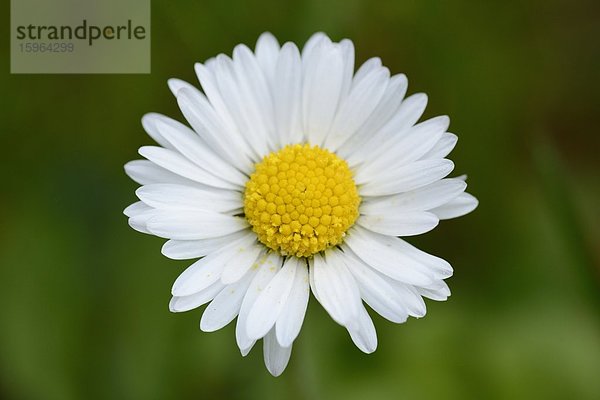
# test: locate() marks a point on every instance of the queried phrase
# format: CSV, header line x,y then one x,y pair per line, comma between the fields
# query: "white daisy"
x,y
298,174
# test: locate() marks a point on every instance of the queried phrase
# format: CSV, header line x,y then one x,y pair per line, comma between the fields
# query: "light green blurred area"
x,y
84,298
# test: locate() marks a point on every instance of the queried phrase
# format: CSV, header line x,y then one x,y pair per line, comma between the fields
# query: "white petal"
x,y
243,261
443,147
376,291
287,92
348,57
175,85
246,351
267,52
406,178
207,79
166,196
255,94
403,149
138,222
136,208
221,136
364,337
268,265
338,293
152,130
400,224
425,198
461,205
186,303
410,298
383,254
408,114
201,274
139,217
422,137
311,44
226,306
204,272
438,291
178,164
188,143
193,224
276,357
372,64
352,149
271,301
290,320
146,172
186,249
438,267
356,108
241,105
322,86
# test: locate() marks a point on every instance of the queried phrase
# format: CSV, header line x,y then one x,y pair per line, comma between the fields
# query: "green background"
x,y
83,298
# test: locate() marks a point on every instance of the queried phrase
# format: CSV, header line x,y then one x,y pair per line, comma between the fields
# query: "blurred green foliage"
x,y
84,298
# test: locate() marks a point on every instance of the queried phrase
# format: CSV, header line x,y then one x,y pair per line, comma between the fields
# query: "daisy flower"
x,y
297,174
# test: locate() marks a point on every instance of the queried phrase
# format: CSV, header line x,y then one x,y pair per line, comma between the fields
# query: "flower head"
x,y
298,174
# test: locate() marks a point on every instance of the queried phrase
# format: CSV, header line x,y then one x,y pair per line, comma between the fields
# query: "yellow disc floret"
x,y
301,200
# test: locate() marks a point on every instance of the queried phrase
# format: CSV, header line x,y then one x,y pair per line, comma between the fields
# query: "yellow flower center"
x,y
301,200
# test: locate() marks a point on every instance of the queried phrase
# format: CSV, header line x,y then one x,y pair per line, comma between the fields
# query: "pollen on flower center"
x,y
301,200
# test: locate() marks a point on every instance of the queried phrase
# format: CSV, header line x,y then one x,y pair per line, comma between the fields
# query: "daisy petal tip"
x,y
275,372
256,327
145,150
179,289
349,45
201,70
132,170
285,341
419,313
139,192
241,50
162,125
474,201
173,305
448,165
244,352
185,98
445,121
460,183
370,348
136,225
129,210
365,341
206,326
402,79
276,367
147,119
318,36
176,84
266,37
165,250
127,167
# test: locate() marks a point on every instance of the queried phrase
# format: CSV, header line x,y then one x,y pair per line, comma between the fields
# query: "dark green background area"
x,y
83,298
